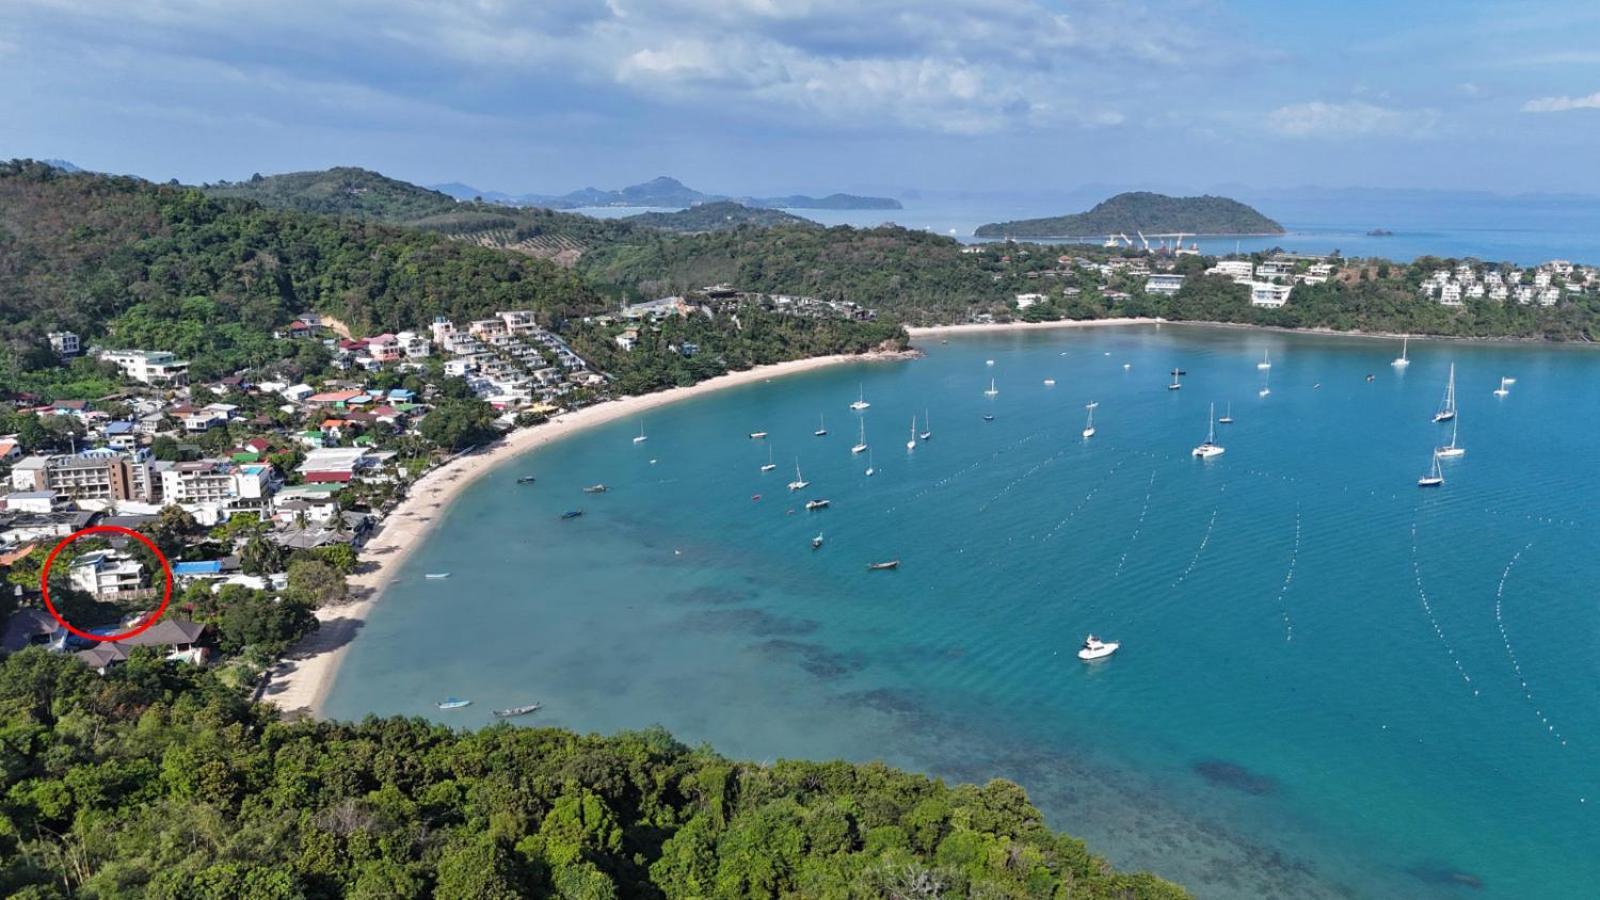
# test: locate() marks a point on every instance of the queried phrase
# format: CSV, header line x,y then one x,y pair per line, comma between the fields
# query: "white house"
x,y
149,366
1162,283
106,573
1268,295
1026,300
1239,270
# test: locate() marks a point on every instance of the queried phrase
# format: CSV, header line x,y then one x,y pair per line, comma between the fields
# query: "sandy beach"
x,y
301,680
978,328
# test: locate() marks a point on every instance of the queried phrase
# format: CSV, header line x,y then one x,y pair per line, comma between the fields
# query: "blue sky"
x,y
770,96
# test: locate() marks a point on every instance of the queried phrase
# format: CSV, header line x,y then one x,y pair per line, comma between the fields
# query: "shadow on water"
x,y
814,658
752,621
1224,774
710,595
1444,876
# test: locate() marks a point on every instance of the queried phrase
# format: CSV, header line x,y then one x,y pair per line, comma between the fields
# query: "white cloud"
x,y
1319,119
1562,104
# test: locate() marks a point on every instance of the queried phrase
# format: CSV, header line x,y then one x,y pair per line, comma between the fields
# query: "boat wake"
x,y
1427,609
1516,667
1288,578
1138,526
1204,540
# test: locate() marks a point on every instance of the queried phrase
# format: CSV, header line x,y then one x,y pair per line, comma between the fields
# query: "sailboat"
x,y
1435,477
640,438
1266,360
927,426
1403,359
1450,450
1266,385
816,542
770,464
1227,416
1210,447
822,426
861,441
1175,385
799,483
992,389
911,442
1502,390
1088,427
1447,410
861,401
871,469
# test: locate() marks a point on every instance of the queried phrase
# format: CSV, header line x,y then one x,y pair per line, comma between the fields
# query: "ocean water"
x,y
1331,683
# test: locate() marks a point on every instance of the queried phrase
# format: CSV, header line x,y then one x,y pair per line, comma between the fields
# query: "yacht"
x,y
861,400
1175,385
1266,360
927,426
1227,416
1093,648
1403,360
822,426
1451,450
861,439
799,483
1088,427
770,464
992,389
640,438
1435,477
1447,409
911,442
1210,447
1502,390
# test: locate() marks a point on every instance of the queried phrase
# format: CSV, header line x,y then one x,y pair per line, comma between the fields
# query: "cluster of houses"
x,y
511,362
1544,284
721,299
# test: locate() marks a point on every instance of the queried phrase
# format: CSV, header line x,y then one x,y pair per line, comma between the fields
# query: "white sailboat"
x,y
1266,385
861,442
770,464
1175,385
1435,477
640,438
1403,360
1266,360
992,389
1502,390
1227,416
861,400
822,426
870,467
1088,427
911,442
1447,410
799,483
927,426
1452,450
1210,448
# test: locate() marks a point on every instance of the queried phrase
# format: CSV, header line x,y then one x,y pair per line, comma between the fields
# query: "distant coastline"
x,y
302,679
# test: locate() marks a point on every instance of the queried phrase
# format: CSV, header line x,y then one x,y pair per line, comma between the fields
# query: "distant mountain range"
x,y
663,193
1143,211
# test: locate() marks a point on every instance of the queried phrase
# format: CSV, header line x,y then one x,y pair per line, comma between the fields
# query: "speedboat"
x,y
454,703
817,504
1094,648
596,489
526,479
437,575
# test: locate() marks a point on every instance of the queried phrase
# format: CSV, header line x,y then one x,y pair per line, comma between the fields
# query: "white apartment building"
x,y
156,367
1268,295
1161,283
95,475
1240,270
106,574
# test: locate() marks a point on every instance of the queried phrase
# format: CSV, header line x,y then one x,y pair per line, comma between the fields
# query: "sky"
x,y
779,96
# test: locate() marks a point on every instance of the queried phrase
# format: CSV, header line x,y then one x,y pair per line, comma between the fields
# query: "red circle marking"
x,y
44,582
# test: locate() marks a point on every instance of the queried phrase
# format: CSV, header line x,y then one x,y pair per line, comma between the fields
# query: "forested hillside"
x,y
157,781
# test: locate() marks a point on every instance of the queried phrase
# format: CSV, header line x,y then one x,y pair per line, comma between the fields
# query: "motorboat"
x,y
817,504
513,712
757,435
526,479
572,514
453,703
1093,648
596,489
883,566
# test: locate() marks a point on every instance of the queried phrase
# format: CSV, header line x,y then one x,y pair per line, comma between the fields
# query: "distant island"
x,y
1143,211
663,193
717,216
1380,232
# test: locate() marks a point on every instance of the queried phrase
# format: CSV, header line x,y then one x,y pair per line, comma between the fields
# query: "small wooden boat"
x,y
880,566
596,489
454,703
572,514
526,479
515,711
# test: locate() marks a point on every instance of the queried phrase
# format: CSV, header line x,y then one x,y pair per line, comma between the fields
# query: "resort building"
x,y
182,639
1268,295
213,490
154,367
95,475
1240,270
1163,284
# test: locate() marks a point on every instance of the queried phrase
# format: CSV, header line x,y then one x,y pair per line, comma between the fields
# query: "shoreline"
x,y
301,679
980,327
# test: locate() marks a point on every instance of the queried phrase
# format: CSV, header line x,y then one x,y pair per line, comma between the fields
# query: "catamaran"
x,y
1266,360
1227,417
822,426
1435,477
1403,360
861,400
799,483
1451,450
1210,447
861,441
1094,648
770,464
1088,427
992,389
640,438
1447,410
1502,390
927,426
911,442
1175,385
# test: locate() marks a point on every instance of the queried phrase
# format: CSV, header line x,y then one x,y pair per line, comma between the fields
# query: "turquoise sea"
x,y
1331,683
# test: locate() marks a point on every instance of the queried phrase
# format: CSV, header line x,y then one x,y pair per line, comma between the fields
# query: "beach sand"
x,y
301,680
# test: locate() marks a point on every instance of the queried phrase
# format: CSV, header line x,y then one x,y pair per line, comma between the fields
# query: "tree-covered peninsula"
x,y
1143,211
